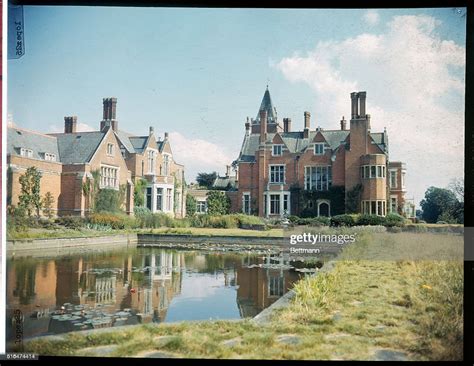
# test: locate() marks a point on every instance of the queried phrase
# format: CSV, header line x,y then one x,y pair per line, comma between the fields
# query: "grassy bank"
x,y
70,233
359,309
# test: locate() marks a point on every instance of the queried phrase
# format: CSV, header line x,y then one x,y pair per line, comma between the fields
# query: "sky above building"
x,y
199,73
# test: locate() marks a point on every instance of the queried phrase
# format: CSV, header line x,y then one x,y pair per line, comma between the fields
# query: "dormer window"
x,y
110,149
49,157
277,150
319,148
26,152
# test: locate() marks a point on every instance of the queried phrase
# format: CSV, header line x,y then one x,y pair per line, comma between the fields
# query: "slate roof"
x,y
37,142
136,144
223,182
78,147
296,143
267,105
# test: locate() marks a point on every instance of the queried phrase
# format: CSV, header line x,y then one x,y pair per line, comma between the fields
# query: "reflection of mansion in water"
x,y
145,283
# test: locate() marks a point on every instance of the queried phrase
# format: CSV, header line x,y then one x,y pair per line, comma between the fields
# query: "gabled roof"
x,y
78,147
124,138
296,143
39,143
267,105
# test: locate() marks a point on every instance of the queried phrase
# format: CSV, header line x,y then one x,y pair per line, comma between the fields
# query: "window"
x,y
246,203
372,171
159,199
393,179
393,204
151,161
277,150
403,179
148,198
26,152
374,207
319,149
166,165
110,149
285,204
277,174
274,204
108,177
201,207
49,157
275,286
318,178
169,195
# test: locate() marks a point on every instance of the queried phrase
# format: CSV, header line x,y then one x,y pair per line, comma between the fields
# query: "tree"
x,y
218,203
438,202
108,200
48,202
206,179
190,205
457,187
139,192
30,198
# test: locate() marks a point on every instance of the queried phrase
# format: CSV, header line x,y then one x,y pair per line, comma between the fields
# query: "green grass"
x,y
414,306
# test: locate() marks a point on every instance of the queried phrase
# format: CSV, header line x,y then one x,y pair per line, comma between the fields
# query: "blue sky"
x,y
198,73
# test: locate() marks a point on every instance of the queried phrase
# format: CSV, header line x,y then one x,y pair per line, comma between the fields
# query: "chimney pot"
x,y
151,130
166,135
287,124
354,105
362,99
227,170
343,124
110,113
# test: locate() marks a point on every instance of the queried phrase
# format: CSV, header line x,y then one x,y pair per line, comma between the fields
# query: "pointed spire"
x,y
267,105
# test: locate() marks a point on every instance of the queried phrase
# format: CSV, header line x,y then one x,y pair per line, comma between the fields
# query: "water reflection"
x,y
141,285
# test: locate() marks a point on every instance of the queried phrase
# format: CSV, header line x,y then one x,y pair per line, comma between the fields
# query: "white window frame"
x,y
109,180
308,183
27,153
151,155
396,203
201,207
246,195
403,178
321,146
276,174
380,207
166,164
277,147
110,149
366,171
395,173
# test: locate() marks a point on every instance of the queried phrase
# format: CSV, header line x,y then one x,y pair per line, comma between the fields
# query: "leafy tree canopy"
x,y
206,179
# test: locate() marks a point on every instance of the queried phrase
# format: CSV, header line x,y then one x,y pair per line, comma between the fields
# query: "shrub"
x,y
371,220
141,211
108,200
149,220
218,203
293,219
342,220
71,222
416,228
191,204
393,219
248,219
314,221
113,220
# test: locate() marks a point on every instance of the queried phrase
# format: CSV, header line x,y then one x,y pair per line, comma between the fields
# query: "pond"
x,y
141,285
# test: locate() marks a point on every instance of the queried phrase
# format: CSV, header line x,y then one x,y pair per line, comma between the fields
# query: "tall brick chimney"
x,y
263,126
354,105
70,124
110,114
286,124
343,124
247,126
307,117
362,97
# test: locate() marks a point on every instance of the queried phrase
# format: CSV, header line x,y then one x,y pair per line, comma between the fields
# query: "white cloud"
x,y
198,155
372,17
415,87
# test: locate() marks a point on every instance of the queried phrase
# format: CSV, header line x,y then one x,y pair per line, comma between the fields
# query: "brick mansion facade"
x,y
316,171
68,160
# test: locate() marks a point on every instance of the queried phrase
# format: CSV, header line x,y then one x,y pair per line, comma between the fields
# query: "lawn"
x,y
362,309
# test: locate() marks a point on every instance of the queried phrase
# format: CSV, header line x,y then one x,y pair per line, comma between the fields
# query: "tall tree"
x,y
48,202
438,202
206,179
30,198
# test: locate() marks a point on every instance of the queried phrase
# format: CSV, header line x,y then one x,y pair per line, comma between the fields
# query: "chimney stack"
x,y
286,124
227,170
362,97
263,126
70,124
166,135
355,106
343,124
151,130
110,114
307,117
247,127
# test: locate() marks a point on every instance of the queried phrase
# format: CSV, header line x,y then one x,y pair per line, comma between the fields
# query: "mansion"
x,y
68,160
315,171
